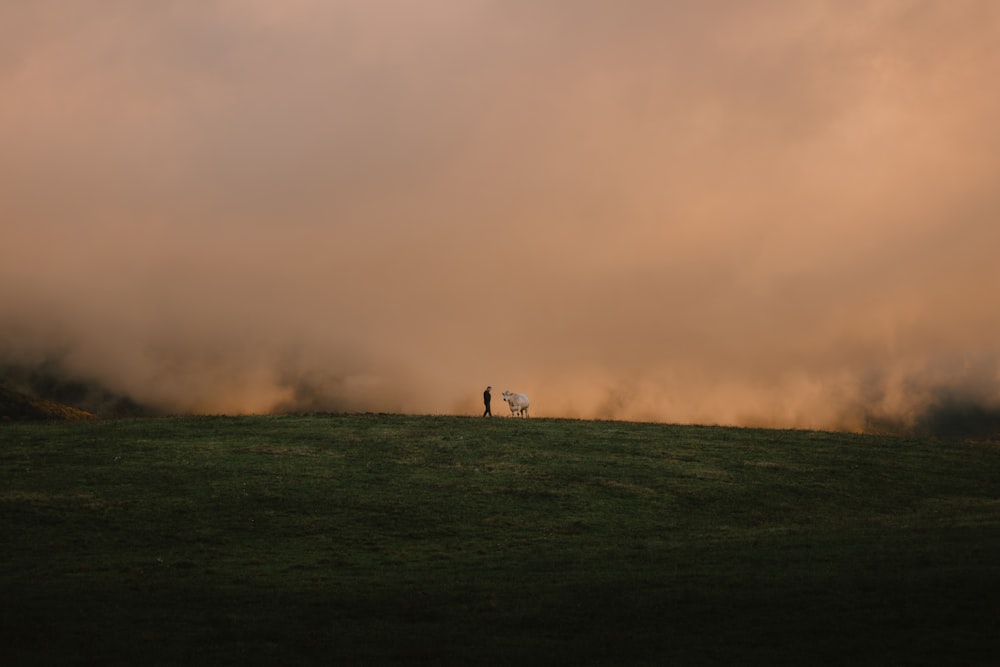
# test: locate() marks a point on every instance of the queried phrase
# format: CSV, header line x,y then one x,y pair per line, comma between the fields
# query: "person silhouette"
x,y
486,402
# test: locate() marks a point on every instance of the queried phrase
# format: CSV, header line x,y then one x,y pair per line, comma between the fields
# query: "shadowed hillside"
x,y
33,386
16,406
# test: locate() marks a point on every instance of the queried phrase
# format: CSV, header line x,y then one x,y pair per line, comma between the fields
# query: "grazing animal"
x,y
518,403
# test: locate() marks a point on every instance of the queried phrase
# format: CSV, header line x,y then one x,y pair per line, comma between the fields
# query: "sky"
x,y
744,212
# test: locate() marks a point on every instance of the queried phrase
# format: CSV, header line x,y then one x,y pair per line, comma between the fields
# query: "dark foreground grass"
x,y
379,539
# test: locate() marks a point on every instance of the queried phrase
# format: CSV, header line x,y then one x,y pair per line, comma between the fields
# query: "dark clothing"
x,y
486,402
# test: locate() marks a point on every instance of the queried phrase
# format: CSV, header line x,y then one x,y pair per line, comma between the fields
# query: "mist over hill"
x,y
46,390
763,214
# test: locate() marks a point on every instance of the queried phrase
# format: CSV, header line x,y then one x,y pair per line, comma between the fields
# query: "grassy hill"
x,y
382,539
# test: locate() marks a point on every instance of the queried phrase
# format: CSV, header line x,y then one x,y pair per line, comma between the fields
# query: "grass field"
x,y
384,539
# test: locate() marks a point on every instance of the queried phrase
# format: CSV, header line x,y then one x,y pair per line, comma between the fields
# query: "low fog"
x,y
721,212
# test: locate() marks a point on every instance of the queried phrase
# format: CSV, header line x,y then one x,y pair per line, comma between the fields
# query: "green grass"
x,y
382,539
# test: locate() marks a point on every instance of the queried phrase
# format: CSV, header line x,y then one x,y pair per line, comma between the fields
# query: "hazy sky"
x,y
753,212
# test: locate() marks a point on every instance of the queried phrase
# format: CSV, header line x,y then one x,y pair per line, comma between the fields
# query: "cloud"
x,y
721,212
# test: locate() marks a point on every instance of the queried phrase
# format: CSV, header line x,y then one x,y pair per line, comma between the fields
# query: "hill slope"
x,y
17,406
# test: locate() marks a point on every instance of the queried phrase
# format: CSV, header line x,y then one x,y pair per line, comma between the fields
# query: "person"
x,y
486,402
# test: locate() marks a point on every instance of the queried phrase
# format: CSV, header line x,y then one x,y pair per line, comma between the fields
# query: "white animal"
x,y
518,403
